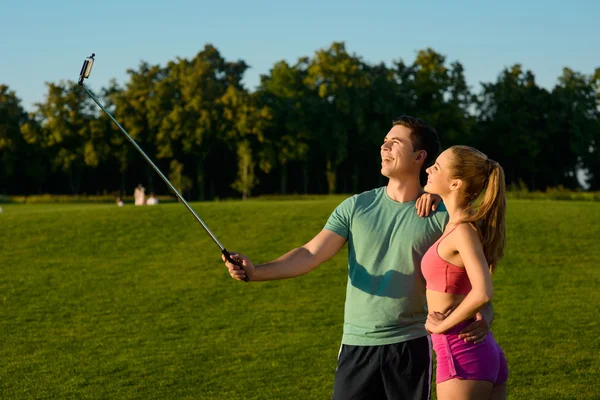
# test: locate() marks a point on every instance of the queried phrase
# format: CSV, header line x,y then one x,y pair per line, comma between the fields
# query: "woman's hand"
x,y
433,322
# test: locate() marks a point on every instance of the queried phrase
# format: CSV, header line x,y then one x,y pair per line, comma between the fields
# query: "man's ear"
x,y
421,156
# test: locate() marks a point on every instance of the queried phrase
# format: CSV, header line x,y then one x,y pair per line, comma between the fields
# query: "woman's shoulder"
x,y
466,230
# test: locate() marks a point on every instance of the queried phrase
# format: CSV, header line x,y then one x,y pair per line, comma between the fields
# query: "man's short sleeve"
x,y
441,216
340,218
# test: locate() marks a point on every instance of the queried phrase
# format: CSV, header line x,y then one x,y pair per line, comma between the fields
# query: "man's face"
x,y
398,158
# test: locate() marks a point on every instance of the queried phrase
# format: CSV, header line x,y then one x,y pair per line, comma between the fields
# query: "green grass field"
x,y
101,302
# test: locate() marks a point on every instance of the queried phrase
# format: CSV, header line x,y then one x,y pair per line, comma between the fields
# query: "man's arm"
x,y
477,331
294,263
427,203
487,314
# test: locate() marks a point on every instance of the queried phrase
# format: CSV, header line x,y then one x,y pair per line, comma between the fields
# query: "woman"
x,y
458,269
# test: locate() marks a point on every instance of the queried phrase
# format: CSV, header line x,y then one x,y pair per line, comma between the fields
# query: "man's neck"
x,y
404,190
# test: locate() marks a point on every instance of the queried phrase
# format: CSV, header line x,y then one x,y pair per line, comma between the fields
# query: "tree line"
x,y
314,126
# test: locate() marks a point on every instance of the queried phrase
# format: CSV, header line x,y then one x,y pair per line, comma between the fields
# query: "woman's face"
x,y
438,180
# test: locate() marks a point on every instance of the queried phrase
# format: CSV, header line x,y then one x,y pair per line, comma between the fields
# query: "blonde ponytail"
x,y
484,190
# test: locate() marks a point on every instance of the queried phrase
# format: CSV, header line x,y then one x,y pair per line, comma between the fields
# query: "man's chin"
x,y
387,173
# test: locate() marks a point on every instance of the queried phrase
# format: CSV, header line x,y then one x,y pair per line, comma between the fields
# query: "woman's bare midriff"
x,y
442,302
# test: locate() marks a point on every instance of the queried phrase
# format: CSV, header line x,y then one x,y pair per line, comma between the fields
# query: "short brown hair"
x,y
423,137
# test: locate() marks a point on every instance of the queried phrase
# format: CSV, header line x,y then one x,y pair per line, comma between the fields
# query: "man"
x,y
386,352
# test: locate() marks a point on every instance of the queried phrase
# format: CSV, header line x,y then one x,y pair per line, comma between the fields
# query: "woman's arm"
x,y
470,249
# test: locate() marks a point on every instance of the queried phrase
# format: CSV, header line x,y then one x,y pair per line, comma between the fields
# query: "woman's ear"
x,y
456,184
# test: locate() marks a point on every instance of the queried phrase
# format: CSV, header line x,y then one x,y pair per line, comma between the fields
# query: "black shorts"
x,y
394,371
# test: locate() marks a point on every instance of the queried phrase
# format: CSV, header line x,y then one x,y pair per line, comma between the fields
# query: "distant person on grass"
x,y
457,269
152,200
139,194
386,351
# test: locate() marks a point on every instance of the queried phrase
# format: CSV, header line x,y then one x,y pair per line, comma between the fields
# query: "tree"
x,y
513,123
576,119
336,77
195,121
140,108
283,95
438,93
12,145
64,126
311,126
246,179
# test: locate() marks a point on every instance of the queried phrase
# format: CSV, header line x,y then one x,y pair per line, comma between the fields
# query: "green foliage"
x,y
65,126
198,120
181,182
12,117
313,126
246,179
336,79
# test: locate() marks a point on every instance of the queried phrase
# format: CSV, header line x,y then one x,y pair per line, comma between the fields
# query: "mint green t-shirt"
x,y
385,294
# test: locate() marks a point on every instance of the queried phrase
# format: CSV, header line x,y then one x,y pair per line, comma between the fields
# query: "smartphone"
x,y
86,69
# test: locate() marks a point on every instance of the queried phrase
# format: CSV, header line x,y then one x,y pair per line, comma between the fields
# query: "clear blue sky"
x,y
46,41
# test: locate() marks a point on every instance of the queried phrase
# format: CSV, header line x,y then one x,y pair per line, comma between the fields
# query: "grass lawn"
x,y
102,302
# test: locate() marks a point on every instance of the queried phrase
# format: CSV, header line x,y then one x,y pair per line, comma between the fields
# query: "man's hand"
x,y
235,271
477,331
427,202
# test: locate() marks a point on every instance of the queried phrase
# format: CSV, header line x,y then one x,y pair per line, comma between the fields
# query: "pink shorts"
x,y
457,359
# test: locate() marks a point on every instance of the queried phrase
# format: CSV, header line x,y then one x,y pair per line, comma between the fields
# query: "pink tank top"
x,y
440,275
